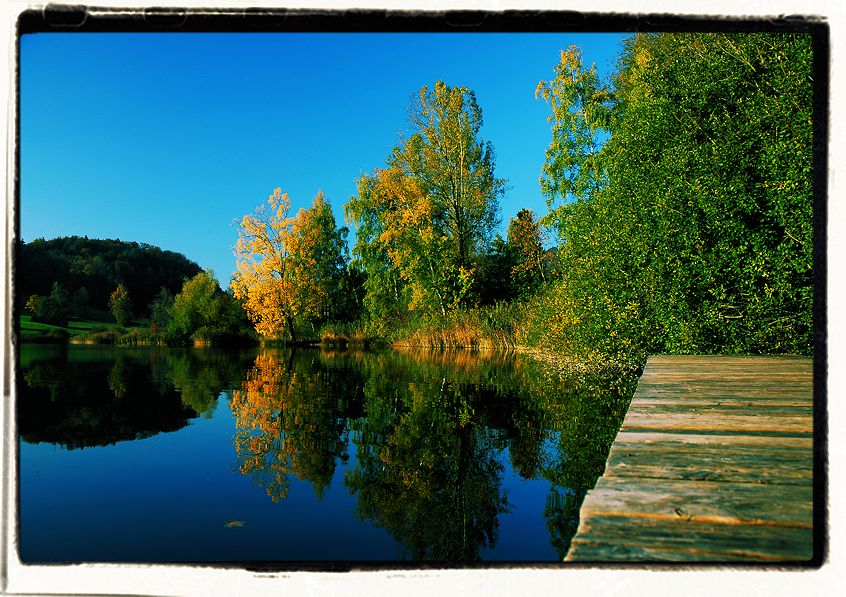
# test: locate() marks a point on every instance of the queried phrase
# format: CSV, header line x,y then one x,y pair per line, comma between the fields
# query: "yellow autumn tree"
x,y
287,267
424,220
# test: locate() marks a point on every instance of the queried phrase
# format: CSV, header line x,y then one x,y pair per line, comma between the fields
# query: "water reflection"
x,y
83,397
430,432
428,447
289,416
434,479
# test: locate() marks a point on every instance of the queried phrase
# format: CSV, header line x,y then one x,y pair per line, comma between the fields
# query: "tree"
x,y
120,305
200,312
35,305
98,266
494,281
526,239
582,107
160,310
699,235
429,214
287,266
80,301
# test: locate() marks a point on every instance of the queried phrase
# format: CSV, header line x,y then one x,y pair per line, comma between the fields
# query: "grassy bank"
x,y
35,331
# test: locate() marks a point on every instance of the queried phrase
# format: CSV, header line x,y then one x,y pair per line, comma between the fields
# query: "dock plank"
x,y
713,463
681,541
726,502
646,437
717,462
708,421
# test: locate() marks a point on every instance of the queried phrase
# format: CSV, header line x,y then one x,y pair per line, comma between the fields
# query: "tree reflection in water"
x,y
435,483
424,440
79,397
430,433
289,421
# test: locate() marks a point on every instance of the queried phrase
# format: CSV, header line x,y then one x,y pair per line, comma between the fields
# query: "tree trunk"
x,y
290,322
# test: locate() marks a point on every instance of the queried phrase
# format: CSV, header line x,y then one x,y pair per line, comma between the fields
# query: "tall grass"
x,y
484,327
340,335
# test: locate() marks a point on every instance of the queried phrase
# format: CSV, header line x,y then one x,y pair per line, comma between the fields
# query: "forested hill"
x,y
90,269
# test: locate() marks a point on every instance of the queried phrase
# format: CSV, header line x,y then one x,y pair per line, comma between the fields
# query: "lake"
x,y
305,455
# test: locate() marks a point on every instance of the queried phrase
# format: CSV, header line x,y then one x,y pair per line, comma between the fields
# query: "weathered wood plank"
x,y
662,437
724,366
684,540
716,502
714,462
719,409
763,390
657,362
722,422
726,401
713,381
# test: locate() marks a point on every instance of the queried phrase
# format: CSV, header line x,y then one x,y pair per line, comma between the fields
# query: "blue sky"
x,y
169,138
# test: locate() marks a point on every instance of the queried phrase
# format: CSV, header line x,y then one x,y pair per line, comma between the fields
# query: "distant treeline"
x,y
153,296
89,270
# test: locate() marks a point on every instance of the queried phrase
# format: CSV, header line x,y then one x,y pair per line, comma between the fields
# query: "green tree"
x,y
698,236
494,281
203,314
120,305
526,240
80,302
429,215
582,107
98,266
54,308
160,310
35,305
199,306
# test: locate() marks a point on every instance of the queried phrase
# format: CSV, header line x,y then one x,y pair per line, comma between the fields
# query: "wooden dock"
x,y
713,463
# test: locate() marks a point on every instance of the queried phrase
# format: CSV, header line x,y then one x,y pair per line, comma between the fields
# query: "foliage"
x,y
53,309
494,281
526,241
202,314
582,107
80,302
120,305
288,267
90,269
160,310
425,219
699,236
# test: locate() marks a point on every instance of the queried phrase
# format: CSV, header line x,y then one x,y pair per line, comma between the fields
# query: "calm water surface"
x,y
165,455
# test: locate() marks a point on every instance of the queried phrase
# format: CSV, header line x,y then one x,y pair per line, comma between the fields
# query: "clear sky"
x,y
167,139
